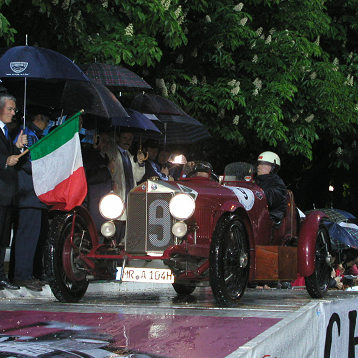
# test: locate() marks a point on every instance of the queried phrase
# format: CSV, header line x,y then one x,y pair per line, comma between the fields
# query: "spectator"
x,y
152,167
99,179
8,179
32,213
126,172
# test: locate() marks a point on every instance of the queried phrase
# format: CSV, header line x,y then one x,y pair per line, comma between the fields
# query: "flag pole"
x,y
25,85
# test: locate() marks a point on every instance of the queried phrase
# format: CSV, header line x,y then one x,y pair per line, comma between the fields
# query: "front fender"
x,y
80,212
307,243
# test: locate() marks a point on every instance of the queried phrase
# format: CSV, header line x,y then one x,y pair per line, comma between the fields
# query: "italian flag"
x,y
57,169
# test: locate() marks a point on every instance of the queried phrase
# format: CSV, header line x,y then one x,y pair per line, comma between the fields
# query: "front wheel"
x,y
229,261
65,269
317,283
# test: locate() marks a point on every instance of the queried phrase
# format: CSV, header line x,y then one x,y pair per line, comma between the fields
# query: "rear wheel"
x,y
65,269
229,261
182,289
317,283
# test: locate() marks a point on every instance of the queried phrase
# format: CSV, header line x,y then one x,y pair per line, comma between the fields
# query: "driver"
x,y
200,169
268,164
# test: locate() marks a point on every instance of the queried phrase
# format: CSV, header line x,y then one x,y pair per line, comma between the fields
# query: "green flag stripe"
x,y
56,138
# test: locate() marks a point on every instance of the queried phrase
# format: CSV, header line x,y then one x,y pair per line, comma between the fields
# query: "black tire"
x,y
70,286
317,284
182,289
229,261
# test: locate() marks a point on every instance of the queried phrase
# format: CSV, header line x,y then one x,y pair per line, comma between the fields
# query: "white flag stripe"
x,y
56,166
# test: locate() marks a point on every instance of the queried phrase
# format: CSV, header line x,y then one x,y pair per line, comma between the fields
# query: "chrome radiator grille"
x,y
149,223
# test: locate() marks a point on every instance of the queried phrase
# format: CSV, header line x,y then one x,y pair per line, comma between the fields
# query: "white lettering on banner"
x,y
323,329
245,196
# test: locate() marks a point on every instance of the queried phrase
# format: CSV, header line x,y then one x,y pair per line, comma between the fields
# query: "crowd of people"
x,y
108,163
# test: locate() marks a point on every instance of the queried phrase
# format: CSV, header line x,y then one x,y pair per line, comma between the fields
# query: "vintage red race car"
x,y
196,231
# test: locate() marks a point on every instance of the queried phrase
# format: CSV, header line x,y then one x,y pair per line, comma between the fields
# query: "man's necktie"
x,y
6,132
127,166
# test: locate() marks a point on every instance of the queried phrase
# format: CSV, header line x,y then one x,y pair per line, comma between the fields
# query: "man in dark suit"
x,y
8,179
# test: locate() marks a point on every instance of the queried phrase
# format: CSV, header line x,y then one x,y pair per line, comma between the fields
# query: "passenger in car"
x,y
268,164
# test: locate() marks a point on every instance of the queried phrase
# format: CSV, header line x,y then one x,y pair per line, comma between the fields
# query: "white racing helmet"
x,y
270,158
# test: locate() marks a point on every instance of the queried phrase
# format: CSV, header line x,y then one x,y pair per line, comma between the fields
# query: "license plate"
x,y
137,274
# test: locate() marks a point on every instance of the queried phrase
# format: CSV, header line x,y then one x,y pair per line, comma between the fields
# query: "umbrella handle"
x,y
141,152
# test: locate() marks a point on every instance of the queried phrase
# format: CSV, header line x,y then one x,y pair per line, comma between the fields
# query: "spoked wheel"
x,y
182,289
317,283
229,261
65,269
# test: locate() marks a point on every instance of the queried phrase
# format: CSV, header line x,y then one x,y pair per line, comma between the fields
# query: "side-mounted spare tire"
x,y
229,261
65,270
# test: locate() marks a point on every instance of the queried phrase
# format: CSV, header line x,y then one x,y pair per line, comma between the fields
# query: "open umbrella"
x,y
181,129
155,104
141,122
95,99
114,76
37,63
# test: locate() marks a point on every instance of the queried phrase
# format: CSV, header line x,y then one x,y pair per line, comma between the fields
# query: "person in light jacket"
x,y
126,172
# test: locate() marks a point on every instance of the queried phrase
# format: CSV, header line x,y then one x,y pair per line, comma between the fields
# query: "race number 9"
x,y
159,223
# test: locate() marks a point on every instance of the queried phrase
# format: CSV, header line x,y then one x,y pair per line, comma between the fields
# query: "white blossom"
x,y
177,12
309,118
160,83
166,4
268,40
207,18
195,52
272,31
356,107
317,40
219,45
105,3
259,31
313,75
253,45
255,59
257,83
66,4
255,92
194,80
232,83
349,80
236,120
173,88
294,118
238,7
350,55
235,90
339,151
180,59
164,92
55,2
243,21
129,30
262,37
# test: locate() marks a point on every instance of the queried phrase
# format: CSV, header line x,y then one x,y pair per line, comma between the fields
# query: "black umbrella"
x,y
95,99
37,64
181,129
114,76
153,103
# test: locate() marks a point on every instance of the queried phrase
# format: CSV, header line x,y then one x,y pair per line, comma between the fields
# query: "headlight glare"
x,y
111,206
182,206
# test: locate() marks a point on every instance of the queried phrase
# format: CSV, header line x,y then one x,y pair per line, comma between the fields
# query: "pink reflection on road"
x,y
177,336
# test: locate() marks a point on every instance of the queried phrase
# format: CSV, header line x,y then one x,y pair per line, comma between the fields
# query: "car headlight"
x,y
111,206
182,206
108,229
